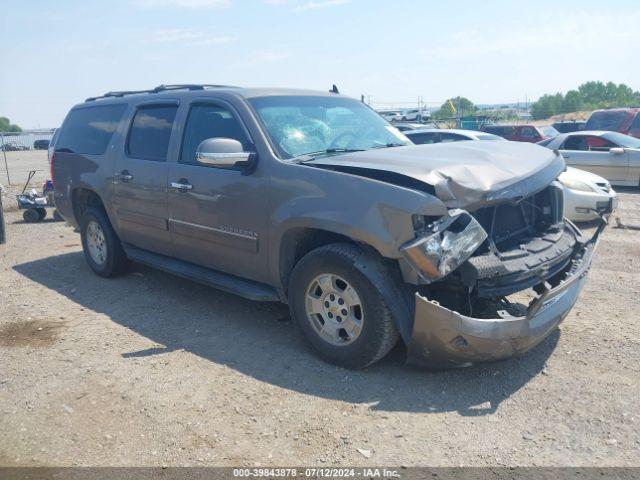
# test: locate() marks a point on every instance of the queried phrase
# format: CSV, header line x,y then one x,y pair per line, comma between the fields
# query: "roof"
x,y
199,90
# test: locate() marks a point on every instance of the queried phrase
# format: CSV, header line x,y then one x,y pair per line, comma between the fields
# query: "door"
x,y
593,153
218,217
140,181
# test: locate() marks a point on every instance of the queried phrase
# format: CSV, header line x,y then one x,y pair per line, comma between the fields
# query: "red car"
x,y
623,120
522,133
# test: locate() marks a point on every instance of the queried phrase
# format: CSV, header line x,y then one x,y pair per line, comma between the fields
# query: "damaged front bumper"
x,y
443,338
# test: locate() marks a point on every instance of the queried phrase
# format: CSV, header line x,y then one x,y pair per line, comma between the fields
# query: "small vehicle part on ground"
x,y
611,155
521,133
313,199
621,120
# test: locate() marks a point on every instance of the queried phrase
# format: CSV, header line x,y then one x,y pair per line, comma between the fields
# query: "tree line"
x,y
7,126
588,96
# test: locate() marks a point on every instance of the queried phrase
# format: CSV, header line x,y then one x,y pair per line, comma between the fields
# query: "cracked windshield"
x,y
314,124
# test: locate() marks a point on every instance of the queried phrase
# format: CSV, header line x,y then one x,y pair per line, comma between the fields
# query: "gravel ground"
x,y
150,369
19,164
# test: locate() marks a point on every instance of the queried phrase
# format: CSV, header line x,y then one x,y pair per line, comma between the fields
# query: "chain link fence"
x,y
21,152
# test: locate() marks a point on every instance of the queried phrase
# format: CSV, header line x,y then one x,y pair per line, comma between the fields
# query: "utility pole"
x,y
3,237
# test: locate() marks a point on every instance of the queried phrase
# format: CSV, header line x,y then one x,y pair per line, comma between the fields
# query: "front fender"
x,y
366,210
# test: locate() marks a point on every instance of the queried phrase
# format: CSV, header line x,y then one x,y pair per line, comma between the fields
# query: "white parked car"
x,y
414,115
391,115
612,155
585,193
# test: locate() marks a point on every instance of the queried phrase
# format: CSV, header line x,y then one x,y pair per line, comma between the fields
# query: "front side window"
x,y
88,130
588,143
210,121
299,125
150,132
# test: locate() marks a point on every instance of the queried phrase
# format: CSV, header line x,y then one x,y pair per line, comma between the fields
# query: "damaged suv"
x,y
309,198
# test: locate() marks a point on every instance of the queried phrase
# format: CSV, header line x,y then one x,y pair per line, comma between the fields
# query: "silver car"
x,y
611,155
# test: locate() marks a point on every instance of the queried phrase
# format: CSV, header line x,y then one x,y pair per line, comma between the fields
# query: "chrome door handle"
x,y
126,176
181,186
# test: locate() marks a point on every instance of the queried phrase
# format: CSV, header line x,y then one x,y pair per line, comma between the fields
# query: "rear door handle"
x,y
126,176
182,185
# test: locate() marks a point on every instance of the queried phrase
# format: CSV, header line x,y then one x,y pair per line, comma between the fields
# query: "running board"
x,y
222,281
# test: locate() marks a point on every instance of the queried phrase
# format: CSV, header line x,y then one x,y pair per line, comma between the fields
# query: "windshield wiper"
x,y
308,157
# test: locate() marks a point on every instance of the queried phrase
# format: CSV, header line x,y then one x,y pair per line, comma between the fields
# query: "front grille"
x,y
511,224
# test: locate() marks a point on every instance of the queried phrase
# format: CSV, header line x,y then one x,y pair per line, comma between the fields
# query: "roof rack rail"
x,y
158,89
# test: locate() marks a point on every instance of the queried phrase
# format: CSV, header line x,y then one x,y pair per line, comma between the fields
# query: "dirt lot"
x,y
154,370
19,164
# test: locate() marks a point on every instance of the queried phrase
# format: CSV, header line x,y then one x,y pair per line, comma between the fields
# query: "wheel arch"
x,y
83,198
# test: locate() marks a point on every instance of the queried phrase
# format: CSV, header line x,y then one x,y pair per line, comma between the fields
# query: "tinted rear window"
x,y
89,130
150,132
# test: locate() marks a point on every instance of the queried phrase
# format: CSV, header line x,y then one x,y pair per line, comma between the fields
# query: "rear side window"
x,y
89,130
150,132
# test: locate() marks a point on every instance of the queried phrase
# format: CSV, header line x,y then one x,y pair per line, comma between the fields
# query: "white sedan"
x,y
612,155
585,193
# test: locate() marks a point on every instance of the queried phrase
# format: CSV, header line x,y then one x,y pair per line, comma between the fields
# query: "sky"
x,y
57,53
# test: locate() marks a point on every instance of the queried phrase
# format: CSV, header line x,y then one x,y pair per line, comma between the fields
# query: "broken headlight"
x,y
451,241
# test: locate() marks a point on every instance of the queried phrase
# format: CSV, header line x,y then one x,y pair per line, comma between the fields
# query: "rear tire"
x,y
328,276
42,212
102,248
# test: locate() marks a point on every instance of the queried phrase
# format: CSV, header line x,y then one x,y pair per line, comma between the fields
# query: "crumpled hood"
x,y
467,174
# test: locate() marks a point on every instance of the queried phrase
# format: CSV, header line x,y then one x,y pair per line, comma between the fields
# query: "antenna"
x,y
334,89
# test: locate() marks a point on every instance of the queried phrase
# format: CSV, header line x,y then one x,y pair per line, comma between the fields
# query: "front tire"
x,y
102,248
339,309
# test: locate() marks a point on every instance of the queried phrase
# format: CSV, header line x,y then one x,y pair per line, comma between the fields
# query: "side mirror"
x,y
222,153
616,151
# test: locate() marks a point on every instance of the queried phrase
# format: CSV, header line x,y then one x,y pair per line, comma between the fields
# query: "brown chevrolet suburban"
x,y
313,199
